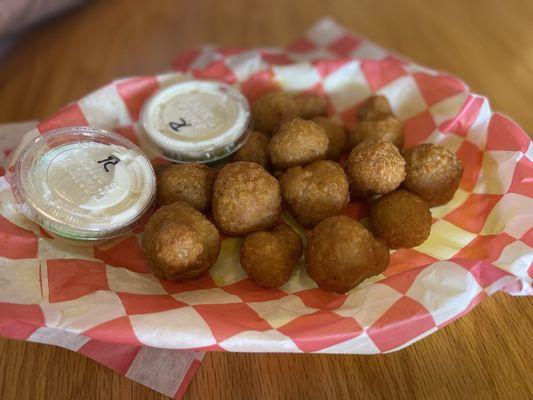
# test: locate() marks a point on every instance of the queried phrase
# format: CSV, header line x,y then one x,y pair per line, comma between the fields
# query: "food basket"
x,y
480,241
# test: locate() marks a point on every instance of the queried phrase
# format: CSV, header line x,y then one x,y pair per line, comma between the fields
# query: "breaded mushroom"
x,y
337,136
310,105
401,218
290,240
381,254
246,199
375,167
375,107
433,173
340,254
388,128
316,191
271,109
191,183
298,142
254,150
269,257
179,242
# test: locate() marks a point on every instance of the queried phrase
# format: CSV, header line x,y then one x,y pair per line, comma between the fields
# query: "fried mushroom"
x,y
316,191
246,199
375,167
269,257
298,142
179,242
433,173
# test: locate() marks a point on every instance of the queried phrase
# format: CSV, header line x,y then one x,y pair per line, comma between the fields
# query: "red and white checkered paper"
x,y
480,242
165,370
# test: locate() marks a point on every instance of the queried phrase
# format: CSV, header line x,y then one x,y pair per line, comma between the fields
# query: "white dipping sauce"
x,y
200,121
84,184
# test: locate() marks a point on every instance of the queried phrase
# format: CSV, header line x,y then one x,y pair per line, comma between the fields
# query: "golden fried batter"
x,y
375,107
191,183
310,105
340,254
381,255
337,136
401,218
179,242
433,173
298,142
254,150
246,199
375,167
387,128
269,257
271,109
315,192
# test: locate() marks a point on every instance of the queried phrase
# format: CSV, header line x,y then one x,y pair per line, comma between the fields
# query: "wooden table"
x,y
487,43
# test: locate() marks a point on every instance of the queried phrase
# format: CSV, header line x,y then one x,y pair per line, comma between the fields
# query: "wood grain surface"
x,y
489,44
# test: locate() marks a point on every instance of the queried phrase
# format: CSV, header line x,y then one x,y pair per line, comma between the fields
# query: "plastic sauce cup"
x,y
196,121
84,185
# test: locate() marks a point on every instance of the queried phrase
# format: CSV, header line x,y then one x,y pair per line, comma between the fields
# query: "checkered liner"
x,y
480,242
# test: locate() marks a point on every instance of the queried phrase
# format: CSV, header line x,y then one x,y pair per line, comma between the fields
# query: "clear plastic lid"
x,y
196,121
83,183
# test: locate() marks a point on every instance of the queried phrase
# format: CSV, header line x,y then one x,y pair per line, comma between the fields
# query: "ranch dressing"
x,y
196,121
84,184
